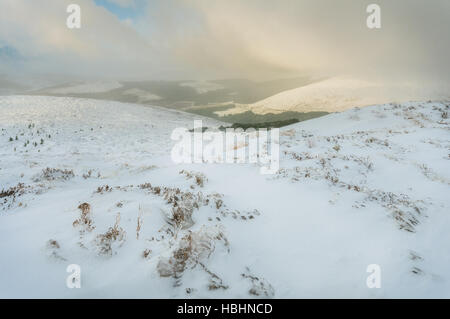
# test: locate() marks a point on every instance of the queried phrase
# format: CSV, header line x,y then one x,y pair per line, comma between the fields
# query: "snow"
x,y
365,186
338,94
87,87
202,86
142,95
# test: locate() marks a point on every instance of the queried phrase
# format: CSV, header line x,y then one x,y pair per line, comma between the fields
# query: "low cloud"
x,y
247,39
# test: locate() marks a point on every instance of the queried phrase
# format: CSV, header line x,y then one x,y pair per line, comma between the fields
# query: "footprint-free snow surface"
x,y
92,183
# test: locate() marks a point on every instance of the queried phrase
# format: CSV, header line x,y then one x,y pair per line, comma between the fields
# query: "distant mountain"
x,y
6,84
338,94
10,86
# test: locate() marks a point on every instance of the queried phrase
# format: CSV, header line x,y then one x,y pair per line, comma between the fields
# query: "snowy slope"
x,y
202,87
365,186
339,94
142,95
87,87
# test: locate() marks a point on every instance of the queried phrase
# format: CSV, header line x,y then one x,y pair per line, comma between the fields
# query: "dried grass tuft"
x,y
85,221
192,249
114,234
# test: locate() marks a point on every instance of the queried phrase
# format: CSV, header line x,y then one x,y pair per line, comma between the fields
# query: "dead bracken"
x,y
114,234
198,177
8,196
190,250
84,222
52,174
260,286
53,249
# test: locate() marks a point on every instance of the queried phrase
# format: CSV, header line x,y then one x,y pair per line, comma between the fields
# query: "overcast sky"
x,y
200,39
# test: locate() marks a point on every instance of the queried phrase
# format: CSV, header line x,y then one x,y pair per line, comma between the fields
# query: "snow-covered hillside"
x,y
202,86
92,183
143,96
87,87
338,94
